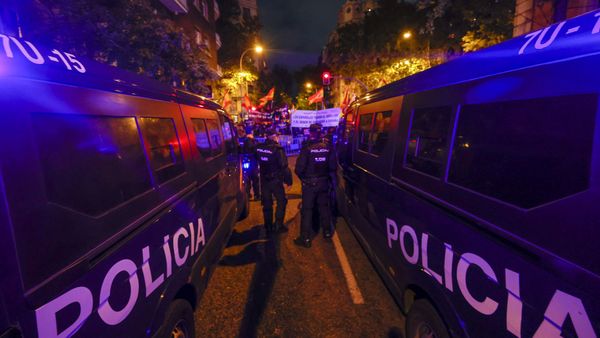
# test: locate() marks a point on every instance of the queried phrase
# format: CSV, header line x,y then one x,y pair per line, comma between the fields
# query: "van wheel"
x,y
423,321
179,322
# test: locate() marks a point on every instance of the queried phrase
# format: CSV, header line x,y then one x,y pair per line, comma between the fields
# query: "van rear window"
x,y
215,136
84,157
526,152
164,148
202,141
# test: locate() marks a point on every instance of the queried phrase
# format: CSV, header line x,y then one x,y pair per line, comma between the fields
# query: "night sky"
x,y
295,31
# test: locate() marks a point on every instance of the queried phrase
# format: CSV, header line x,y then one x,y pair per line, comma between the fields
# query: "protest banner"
x,y
327,117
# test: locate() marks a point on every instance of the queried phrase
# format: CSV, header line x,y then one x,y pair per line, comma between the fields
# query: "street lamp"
x,y
308,85
407,35
258,49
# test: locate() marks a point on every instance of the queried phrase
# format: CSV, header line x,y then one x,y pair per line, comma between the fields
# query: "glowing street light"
x,y
258,49
406,35
308,85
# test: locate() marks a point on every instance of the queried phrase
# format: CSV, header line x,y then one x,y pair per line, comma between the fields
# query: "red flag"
x,y
270,94
246,103
316,97
269,97
346,100
226,100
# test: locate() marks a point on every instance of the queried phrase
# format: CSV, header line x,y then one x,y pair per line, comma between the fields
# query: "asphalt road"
x,y
268,287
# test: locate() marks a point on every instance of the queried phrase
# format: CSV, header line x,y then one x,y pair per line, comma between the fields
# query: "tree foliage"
x,y
373,50
237,34
130,34
282,80
467,24
380,33
232,80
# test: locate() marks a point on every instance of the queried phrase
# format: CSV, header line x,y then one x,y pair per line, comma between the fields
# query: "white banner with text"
x,y
327,117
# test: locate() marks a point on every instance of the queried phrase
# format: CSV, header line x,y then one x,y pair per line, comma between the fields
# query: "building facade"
x,y
249,9
531,15
198,19
353,11
249,14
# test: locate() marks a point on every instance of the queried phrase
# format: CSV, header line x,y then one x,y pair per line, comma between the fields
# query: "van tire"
x,y
179,320
424,321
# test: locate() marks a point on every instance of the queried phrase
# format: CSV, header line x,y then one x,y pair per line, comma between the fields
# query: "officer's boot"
x,y
304,242
280,227
268,217
327,233
280,215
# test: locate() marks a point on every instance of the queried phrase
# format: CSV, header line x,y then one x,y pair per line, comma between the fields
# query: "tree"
x,y
374,51
380,33
307,74
466,24
130,34
237,34
281,79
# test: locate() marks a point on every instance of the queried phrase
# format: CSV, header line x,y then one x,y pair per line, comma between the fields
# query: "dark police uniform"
x,y
252,180
315,167
273,165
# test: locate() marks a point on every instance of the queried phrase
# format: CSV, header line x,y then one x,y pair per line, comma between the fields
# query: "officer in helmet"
x,y
273,167
315,167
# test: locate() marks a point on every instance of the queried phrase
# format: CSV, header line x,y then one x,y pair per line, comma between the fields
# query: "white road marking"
x,y
355,293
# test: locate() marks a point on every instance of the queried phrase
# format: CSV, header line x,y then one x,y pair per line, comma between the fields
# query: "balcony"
x,y
217,11
218,40
176,6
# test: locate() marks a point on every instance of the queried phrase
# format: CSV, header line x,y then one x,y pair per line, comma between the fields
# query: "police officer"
x,y
273,168
249,150
315,167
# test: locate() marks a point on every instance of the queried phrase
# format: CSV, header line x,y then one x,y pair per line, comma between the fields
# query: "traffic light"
x,y
326,76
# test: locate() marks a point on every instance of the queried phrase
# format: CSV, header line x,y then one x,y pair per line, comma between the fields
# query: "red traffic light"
x,y
326,76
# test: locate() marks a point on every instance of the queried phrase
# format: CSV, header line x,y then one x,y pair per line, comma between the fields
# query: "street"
x,y
271,287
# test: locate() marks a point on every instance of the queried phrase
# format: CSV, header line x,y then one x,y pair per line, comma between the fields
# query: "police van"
x,y
117,196
475,188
